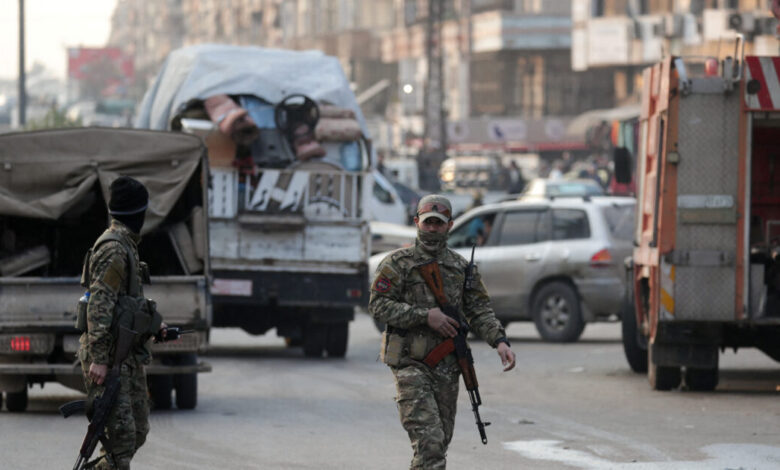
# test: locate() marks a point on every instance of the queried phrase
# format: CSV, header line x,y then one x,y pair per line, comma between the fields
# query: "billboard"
x,y
105,71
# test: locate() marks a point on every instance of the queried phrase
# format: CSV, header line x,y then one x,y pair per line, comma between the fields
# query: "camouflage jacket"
x,y
401,299
109,278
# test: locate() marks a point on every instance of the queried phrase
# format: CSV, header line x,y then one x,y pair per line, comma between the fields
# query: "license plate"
x,y
237,287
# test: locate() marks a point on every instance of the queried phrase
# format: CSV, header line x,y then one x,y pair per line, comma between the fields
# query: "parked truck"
x,y
705,275
289,185
53,192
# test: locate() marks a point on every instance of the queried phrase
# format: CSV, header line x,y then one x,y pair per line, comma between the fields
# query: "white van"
x,y
385,204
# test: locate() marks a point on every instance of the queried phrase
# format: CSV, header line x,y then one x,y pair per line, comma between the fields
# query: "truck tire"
x,y
556,313
160,388
661,377
315,339
702,380
16,401
186,385
633,347
338,338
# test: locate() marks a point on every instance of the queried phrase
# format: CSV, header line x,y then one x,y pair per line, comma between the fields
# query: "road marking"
x,y
726,456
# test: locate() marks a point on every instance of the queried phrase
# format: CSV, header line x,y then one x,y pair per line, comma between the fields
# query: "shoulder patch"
x,y
382,284
114,274
112,279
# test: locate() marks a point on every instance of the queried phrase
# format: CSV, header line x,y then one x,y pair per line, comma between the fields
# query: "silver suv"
x,y
557,262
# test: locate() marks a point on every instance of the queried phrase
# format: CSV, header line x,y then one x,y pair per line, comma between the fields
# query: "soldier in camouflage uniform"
x,y
427,397
108,275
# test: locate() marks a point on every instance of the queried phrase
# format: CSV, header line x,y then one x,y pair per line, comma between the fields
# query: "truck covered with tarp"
x,y
289,160
53,192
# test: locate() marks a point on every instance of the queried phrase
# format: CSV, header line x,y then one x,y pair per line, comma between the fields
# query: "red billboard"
x,y
107,69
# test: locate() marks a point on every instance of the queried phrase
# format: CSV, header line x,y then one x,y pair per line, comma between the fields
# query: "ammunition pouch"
x,y
418,346
138,314
415,345
392,350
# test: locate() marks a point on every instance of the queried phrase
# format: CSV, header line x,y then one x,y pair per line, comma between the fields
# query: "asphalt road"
x,y
565,406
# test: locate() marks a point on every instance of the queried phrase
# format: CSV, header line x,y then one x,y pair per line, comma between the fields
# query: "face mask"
x,y
133,221
432,241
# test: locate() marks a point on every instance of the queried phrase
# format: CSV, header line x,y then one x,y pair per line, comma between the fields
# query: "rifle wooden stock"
x,y
441,351
469,374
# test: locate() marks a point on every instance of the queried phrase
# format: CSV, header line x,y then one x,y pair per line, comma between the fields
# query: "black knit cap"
x,y
128,196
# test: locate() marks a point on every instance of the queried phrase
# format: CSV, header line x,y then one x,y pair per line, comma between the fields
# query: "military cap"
x,y
434,205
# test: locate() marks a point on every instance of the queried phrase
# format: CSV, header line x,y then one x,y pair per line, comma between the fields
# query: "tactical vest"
x,y
132,310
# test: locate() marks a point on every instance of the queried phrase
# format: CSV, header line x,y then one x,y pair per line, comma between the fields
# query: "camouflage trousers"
x,y
128,422
427,401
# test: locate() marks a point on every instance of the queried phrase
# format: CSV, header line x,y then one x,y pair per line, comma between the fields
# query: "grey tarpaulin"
x,y
44,173
198,72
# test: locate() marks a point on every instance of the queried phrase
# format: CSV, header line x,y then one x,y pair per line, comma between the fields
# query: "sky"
x,y
51,27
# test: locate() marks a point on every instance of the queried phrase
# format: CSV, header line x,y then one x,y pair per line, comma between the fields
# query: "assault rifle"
x,y
432,276
172,333
102,405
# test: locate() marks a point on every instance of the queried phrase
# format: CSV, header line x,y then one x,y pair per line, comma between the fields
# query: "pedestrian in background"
x,y
427,397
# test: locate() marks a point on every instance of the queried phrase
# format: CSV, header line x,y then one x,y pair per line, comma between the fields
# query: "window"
x,y
570,224
620,220
476,231
382,195
523,227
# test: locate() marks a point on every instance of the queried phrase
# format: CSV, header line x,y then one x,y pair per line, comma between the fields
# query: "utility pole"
x,y
22,86
465,28
435,124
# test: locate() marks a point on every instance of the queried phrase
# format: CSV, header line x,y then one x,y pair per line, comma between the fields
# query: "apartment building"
x,y
624,36
147,31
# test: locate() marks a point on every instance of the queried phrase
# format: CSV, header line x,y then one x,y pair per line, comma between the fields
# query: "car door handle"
x,y
533,257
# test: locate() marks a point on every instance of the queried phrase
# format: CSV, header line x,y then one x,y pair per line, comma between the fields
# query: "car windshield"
x,y
574,188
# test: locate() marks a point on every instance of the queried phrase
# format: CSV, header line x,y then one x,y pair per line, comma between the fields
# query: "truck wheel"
x,y
314,340
661,377
702,380
16,401
556,313
186,385
633,347
160,387
338,337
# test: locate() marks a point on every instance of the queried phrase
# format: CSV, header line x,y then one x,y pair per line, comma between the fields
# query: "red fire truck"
x,y
705,274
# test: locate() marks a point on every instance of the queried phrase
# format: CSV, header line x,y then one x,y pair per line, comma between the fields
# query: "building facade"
x,y
622,37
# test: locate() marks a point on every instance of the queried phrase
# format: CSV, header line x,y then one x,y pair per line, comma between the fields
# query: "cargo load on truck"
x,y
289,164
704,273
53,192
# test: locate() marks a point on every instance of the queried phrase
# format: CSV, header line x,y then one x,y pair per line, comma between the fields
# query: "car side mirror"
x,y
621,157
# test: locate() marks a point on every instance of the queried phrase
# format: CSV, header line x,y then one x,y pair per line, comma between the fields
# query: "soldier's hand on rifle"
x,y
98,372
506,355
441,323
